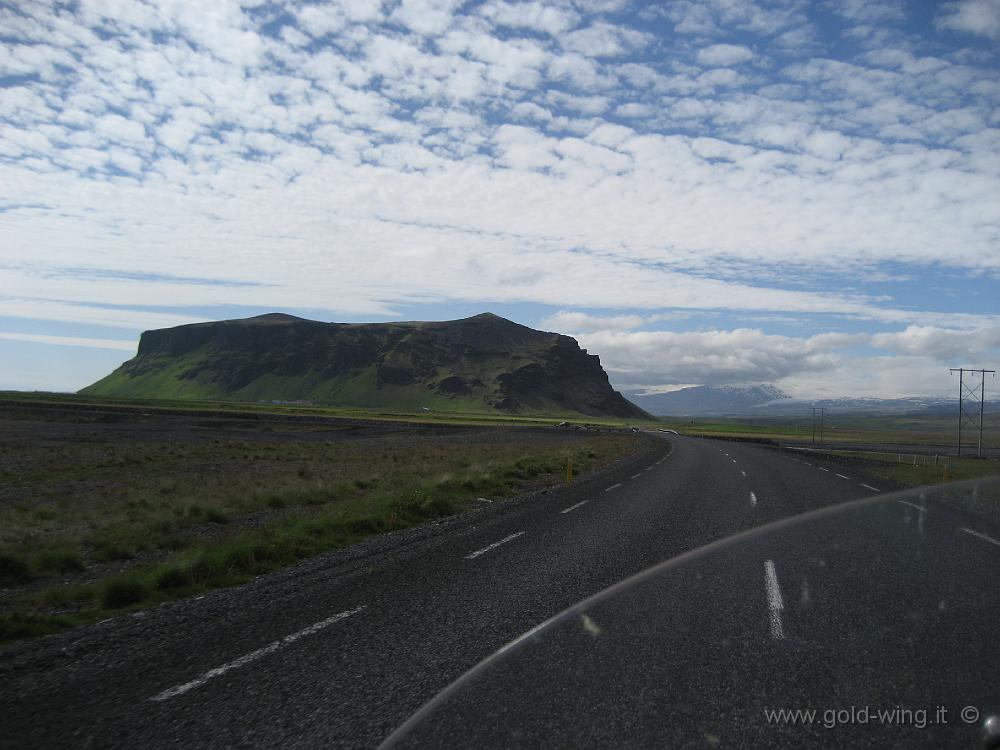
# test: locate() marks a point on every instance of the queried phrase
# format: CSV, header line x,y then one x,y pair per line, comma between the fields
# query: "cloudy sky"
x,y
726,191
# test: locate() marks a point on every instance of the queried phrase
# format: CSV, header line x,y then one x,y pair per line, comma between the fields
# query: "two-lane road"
x,y
341,650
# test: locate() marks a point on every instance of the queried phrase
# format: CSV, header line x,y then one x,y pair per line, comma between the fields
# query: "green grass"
x,y
209,405
919,470
182,514
840,428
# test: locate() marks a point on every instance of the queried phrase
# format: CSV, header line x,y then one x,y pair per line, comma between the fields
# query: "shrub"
x,y
60,561
14,570
18,625
214,515
109,550
121,592
174,577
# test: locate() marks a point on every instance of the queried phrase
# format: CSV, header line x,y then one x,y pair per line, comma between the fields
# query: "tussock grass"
x,y
186,517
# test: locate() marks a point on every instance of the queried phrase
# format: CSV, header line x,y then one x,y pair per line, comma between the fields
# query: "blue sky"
x,y
727,191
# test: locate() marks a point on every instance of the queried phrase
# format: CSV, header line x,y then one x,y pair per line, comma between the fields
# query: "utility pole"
x,y
822,412
973,393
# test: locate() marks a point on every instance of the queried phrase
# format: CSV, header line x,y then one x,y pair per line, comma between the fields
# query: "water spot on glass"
x,y
589,625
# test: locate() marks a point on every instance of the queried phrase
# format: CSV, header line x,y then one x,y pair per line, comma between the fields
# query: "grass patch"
x,y
194,511
123,592
59,561
951,470
14,570
15,625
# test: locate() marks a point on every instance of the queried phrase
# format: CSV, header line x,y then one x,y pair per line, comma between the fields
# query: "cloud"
x,y
941,344
724,55
531,15
573,322
832,364
356,157
576,322
427,17
708,357
981,17
88,343
868,11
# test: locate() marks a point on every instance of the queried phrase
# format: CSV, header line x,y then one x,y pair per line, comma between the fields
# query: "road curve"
x,y
341,650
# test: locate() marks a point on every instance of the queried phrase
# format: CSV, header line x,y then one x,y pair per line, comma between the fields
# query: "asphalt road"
x,y
339,651
870,626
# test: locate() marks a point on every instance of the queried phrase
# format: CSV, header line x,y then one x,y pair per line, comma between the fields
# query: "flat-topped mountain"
x,y
480,364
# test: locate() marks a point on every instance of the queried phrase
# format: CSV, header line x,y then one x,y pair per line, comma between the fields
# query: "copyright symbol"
x,y
970,714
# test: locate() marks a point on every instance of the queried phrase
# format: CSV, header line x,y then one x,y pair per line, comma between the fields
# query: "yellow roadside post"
x,y
569,472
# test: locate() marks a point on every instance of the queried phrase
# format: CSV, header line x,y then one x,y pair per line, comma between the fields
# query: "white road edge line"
x,y
774,601
869,487
253,656
574,507
842,476
484,550
912,505
613,487
753,500
989,539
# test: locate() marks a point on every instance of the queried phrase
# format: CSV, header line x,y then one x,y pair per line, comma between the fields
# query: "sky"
x,y
717,192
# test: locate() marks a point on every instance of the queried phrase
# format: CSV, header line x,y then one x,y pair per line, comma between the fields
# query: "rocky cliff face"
x,y
483,363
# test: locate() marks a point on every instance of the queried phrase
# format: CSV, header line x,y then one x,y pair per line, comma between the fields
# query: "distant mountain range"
x,y
768,400
708,400
480,364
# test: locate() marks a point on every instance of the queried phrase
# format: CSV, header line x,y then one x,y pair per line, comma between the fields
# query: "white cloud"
x,y
531,15
577,322
428,17
980,17
707,357
439,151
724,55
88,343
832,364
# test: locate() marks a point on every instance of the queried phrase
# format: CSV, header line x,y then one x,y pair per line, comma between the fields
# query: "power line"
x,y
974,393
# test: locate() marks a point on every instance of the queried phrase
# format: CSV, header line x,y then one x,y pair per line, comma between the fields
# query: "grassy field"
x,y
841,428
291,409
921,470
103,510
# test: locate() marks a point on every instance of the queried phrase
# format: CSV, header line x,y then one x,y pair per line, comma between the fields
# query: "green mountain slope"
x,y
479,364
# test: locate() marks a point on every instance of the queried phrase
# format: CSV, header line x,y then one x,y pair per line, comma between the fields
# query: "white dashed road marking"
x,y
635,476
253,656
989,539
842,476
484,550
574,507
753,500
822,469
613,487
774,601
869,487
912,505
